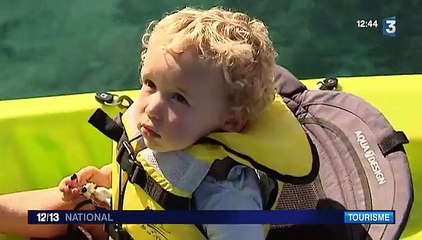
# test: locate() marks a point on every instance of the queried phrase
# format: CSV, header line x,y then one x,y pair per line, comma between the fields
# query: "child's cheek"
x,y
180,130
176,128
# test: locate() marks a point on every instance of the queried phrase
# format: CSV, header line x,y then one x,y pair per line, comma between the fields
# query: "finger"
x,y
71,194
74,191
63,189
66,196
65,182
62,186
85,174
73,180
74,177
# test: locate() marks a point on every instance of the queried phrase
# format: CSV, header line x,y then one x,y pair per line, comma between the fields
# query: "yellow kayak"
x,y
44,139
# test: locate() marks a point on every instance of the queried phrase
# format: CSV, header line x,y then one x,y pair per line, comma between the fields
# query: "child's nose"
x,y
155,106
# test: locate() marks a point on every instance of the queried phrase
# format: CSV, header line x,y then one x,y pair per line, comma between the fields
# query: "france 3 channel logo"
x,y
389,26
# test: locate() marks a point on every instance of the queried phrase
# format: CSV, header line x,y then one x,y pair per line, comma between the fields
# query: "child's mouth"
x,y
148,132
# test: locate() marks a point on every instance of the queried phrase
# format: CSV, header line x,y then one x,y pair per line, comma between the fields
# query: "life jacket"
x,y
146,180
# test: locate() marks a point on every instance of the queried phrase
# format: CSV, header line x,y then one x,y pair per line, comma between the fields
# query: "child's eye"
x,y
179,97
149,83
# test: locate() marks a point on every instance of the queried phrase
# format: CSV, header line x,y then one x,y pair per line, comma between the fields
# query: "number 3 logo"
x,y
389,26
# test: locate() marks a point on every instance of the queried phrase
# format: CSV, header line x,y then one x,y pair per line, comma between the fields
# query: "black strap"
x,y
138,175
101,121
72,231
391,142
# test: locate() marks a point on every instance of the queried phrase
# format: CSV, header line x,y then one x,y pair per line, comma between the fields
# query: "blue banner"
x,y
192,217
187,217
369,217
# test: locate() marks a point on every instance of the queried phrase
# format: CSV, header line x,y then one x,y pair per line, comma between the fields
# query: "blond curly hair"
x,y
231,40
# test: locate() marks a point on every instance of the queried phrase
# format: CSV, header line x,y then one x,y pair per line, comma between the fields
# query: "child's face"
x,y
182,99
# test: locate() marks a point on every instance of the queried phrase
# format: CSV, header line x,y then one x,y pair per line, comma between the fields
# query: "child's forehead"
x,y
185,71
187,63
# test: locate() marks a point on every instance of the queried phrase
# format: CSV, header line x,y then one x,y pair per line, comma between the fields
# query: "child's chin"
x,y
154,146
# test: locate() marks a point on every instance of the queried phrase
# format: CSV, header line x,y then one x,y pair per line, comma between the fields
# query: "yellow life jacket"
x,y
275,144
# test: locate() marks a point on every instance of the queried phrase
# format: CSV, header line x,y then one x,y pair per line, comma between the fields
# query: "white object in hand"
x,y
101,193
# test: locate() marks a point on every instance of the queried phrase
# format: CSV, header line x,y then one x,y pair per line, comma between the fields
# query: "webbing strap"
x,y
389,143
101,121
73,232
138,175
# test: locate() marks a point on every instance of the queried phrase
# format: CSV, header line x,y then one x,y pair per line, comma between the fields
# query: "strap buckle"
x,y
129,150
111,99
124,148
129,164
329,83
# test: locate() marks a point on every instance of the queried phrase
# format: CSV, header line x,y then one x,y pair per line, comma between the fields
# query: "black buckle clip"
x,y
123,148
129,149
329,83
111,99
131,167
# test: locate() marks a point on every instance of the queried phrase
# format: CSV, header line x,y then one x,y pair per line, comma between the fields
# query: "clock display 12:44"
x,y
361,23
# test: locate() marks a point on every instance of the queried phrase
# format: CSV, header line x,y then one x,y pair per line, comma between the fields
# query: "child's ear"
x,y
235,122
